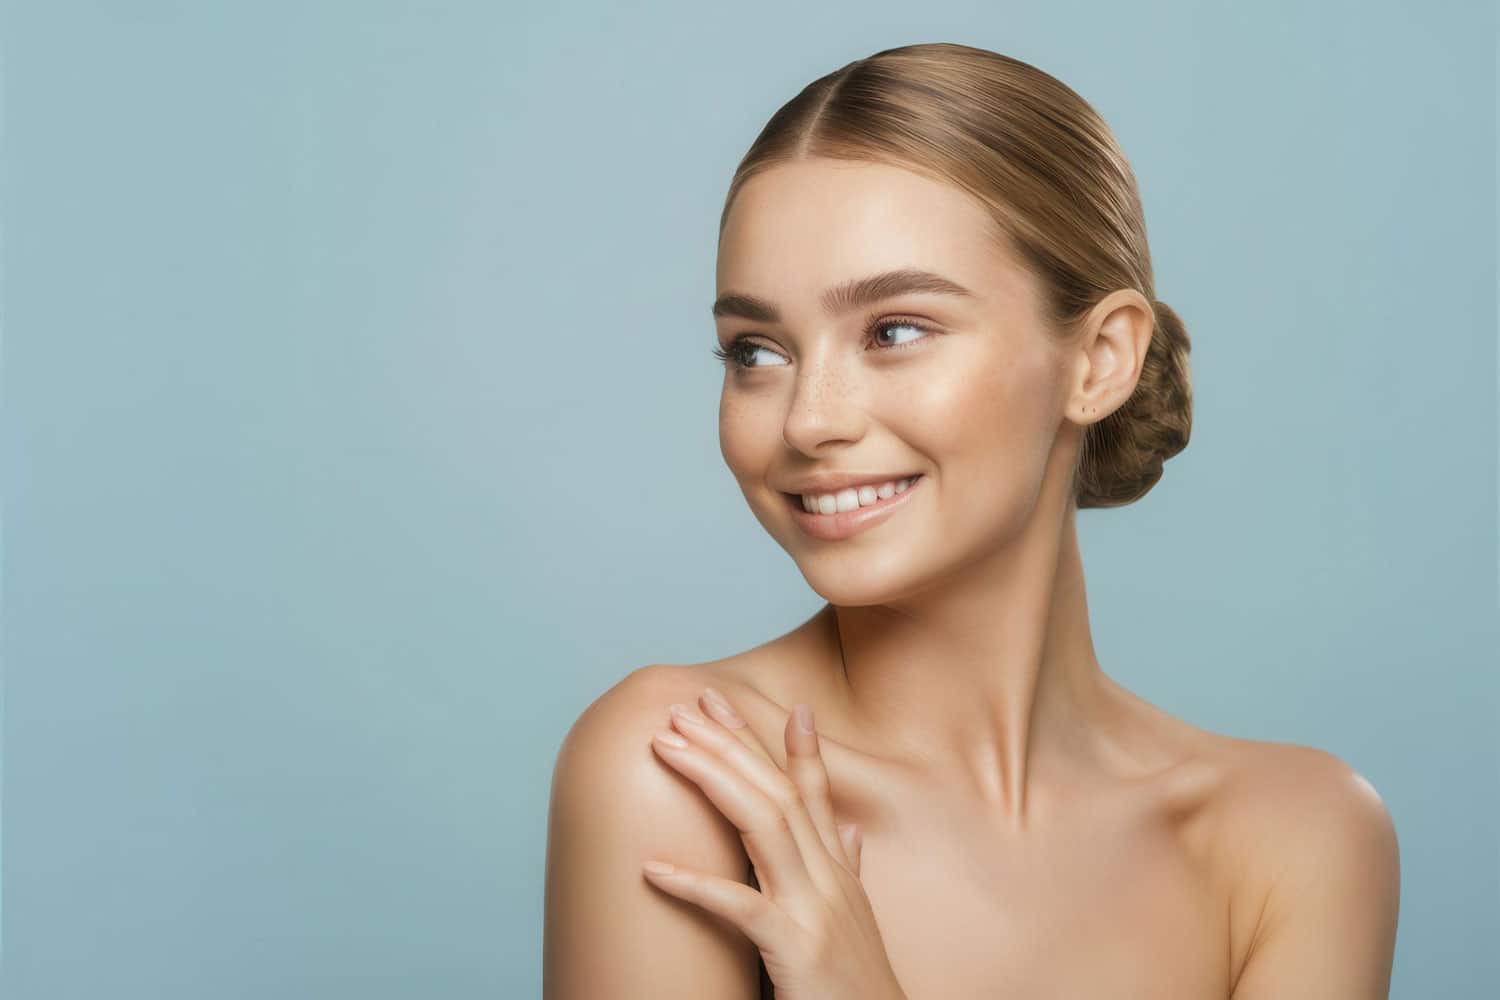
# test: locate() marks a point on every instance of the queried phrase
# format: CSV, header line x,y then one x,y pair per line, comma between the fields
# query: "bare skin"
x,y
1143,867
1031,829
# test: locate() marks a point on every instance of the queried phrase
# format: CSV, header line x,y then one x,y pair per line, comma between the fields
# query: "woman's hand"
x,y
811,920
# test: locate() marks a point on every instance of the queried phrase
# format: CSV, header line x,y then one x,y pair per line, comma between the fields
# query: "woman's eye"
x,y
898,325
747,353
740,355
743,354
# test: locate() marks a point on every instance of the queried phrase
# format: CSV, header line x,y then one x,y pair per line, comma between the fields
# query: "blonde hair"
x,y
1062,196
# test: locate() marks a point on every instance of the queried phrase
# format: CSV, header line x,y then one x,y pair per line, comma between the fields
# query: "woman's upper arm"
x,y
608,932
1328,928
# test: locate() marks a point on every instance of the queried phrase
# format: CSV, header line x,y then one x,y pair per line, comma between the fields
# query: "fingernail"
x,y
804,715
688,715
718,706
671,739
659,867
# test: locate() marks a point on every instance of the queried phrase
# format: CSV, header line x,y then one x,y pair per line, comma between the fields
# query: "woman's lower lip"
x,y
832,527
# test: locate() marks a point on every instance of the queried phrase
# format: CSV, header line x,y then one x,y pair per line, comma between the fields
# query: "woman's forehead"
x,y
800,229
841,200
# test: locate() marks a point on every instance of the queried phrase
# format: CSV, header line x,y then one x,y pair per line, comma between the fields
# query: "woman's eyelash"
x,y
733,356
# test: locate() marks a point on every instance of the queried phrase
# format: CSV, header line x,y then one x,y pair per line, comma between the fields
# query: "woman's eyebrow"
x,y
852,294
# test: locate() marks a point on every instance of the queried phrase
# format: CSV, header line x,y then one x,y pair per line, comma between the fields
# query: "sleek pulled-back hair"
x,y
1062,196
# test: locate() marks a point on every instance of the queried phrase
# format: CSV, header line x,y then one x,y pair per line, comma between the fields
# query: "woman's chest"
x,y
1114,915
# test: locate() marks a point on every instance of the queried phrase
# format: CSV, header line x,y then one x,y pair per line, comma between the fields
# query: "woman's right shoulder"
x,y
615,804
629,711
611,737
608,781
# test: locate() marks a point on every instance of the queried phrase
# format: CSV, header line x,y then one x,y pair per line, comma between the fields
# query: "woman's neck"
x,y
983,678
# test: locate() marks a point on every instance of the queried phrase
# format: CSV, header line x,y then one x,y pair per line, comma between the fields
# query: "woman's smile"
x,y
854,510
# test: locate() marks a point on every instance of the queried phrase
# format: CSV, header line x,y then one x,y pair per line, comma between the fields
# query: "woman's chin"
x,y
856,586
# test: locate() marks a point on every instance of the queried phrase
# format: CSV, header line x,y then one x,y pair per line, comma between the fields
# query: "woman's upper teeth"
x,y
863,496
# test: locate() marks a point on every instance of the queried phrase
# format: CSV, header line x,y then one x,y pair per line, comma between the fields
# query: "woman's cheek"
x,y
742,438
991,428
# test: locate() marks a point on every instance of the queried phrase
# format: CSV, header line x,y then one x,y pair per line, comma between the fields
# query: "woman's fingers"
x,y
804,760
811,920
783,807
769,836
854,841
718,708
804,766
761,921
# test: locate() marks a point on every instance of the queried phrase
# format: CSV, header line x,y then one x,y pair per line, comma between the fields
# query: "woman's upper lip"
x,y
831,482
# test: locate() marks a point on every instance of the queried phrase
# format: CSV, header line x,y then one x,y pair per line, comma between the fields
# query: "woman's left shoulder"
x,y
1282,784
1302,839
1260,797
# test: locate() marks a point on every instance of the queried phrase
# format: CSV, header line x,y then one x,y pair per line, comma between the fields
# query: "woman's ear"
x,y
1110,354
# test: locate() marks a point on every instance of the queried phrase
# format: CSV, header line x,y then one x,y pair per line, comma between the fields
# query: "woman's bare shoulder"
x,y
614,805
1292,828
606,762
1269,787
638,703
1250,797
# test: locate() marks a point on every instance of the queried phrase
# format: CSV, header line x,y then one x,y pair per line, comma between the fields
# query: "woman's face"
x,y
965,390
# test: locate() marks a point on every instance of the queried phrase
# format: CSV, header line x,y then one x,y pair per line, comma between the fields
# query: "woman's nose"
x,y
824,409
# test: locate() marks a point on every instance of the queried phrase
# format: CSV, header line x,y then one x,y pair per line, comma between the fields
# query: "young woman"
x,y
938,320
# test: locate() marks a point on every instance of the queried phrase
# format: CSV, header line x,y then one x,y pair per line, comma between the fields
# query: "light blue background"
x,y
359,429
